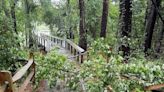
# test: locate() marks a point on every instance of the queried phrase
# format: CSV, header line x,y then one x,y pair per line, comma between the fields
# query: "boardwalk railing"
x,y
7,81
49,41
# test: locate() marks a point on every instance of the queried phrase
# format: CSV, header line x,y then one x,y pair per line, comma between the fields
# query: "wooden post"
x,y
71,49
81,58
41,40
65,44
34,69
68,46
74,51
44,43
78,56
57,41
61,43
54,40
49,43
38,40
6,79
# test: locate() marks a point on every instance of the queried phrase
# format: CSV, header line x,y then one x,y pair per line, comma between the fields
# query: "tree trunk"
x,y
104,18
83,38
70,34
13,16
68,18
125,26
28,24
150,24
159,42
147,12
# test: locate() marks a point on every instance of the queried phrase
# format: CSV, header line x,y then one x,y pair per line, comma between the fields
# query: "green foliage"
x,y
93,16
8,42
49,67
138,26
97,74
12,42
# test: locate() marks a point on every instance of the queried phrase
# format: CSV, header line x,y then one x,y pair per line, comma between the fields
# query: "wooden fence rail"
x,y
7,81
48,41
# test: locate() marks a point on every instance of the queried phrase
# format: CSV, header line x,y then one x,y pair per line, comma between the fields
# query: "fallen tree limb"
x,y
154,87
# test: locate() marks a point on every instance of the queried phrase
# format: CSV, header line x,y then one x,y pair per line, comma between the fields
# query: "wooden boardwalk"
x,y
66,48
60,49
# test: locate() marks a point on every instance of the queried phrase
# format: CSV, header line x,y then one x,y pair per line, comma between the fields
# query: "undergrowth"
x,y
103,69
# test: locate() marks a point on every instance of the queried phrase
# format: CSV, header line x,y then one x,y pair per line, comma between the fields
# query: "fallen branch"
x,y
154,87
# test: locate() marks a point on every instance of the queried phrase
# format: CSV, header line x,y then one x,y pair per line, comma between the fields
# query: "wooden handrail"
x,y
75,56
79,49
22,71
52,36
27,81
64,43
56,37
5,76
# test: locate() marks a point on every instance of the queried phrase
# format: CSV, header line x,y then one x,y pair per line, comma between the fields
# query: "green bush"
x,y
96,74
49,67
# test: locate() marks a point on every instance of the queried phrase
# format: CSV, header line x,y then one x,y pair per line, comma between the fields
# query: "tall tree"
x,y
29,39
70,34
159,42
104,18
13,15
83,38
125,25
161,34
150,23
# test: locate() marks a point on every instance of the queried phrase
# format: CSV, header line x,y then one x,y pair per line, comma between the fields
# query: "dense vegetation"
x,y
123,40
